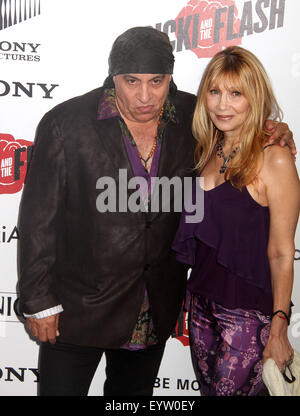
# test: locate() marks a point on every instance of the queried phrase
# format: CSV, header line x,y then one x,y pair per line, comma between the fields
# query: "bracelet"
x,y
285,316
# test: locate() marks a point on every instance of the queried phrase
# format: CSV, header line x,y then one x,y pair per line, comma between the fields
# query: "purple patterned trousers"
x,y
227,347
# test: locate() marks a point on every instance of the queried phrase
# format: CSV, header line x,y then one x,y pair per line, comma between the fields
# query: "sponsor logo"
x,y
14,159
8,302
17,11
28,89
202,27
13,12
179,384
20,374
19,51
8,234
207,26
8,312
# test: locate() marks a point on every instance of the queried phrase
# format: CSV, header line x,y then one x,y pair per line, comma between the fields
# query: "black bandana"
x,y
141,50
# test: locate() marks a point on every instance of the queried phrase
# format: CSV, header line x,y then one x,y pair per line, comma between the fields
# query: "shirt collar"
x,y
107,107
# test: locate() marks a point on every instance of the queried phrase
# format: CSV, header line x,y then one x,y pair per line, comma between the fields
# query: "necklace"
x,y
220,153
145,161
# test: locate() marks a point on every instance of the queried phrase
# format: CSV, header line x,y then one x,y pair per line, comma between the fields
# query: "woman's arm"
x,y
282,187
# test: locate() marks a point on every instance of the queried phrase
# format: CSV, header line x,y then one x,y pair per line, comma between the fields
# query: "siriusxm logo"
x,y
13,12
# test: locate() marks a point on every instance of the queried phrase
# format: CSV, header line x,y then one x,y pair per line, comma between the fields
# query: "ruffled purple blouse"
x,y
227,250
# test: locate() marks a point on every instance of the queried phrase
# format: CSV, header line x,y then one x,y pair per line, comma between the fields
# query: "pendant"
x,y
225,159
224,166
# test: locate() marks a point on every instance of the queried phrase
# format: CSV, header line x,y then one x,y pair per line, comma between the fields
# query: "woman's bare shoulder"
x,y
277,157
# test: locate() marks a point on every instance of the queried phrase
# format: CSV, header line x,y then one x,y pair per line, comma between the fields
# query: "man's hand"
x,y
45,329
280,132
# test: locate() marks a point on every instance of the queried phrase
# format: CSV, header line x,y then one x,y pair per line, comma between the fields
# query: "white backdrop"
x,y
52,50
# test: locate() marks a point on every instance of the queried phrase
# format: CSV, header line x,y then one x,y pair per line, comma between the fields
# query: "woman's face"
x,y
227,108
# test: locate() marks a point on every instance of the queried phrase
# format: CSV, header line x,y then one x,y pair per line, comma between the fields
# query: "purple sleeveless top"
x,y
228,250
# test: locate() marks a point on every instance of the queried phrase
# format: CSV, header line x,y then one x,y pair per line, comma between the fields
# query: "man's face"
x,y
140,97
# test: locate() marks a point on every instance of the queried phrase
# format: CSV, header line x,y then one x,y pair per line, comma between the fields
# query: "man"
x,y
96,282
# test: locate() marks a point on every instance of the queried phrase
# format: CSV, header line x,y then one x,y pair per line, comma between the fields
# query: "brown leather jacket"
x,y
97,265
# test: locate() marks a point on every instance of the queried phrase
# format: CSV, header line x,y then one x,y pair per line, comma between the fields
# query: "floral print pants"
x,y
227,347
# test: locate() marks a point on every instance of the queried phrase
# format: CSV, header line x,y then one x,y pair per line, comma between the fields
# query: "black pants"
x,y
68,370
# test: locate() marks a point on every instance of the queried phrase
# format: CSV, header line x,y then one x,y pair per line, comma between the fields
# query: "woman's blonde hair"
x,y
239,69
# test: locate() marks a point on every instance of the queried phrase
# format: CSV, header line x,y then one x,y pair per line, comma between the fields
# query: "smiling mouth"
x,y
224,118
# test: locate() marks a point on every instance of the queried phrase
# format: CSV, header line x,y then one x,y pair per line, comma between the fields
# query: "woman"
x,y
242,253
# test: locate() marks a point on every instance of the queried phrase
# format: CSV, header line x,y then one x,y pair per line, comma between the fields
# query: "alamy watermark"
x,y
159,194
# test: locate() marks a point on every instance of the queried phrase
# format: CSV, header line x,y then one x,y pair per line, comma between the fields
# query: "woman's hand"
x,y
280,350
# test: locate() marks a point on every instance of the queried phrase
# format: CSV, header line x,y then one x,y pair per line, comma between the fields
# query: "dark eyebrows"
x,y
159,76
129,76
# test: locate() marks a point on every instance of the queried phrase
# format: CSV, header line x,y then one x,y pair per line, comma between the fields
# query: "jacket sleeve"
x,y
40,221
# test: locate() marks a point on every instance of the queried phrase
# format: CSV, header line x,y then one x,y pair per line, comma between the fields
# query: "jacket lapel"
x,y
169,150
113,144
169,162
111,138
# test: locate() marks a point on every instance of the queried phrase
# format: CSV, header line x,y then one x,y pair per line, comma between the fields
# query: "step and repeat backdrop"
x,y
52,50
